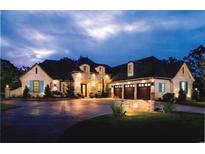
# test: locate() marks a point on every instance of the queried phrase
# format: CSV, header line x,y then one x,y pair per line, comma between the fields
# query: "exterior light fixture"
x,y
7,86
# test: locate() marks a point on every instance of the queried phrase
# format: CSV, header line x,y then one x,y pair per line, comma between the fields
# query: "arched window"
x,y
85,68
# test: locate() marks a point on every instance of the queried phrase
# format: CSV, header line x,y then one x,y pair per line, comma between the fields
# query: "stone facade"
x,y
94,81
131,106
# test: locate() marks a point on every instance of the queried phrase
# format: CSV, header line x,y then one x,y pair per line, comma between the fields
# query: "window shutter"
x,y
180,85
186,87
41,86
160,87
31,85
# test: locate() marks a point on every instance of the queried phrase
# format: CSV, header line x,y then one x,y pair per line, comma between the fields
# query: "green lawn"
x,y
141,127
5,107
194,103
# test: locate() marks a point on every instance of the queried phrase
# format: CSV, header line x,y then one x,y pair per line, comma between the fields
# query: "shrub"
x,y
91,95
117,109
195,95
182,96
26,93
70,90
78,95
168,97
104,95
56,93
168,107
47,91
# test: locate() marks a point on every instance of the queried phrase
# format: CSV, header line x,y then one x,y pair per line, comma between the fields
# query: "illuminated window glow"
x,y
36,86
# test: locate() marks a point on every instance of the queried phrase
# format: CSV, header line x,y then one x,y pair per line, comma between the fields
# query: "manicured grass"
x,y
194,103
5,107
141,127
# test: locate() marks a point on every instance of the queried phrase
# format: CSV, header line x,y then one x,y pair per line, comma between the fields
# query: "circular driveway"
x,y
45,121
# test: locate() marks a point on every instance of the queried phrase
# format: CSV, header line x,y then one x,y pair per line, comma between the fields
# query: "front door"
x,y
84,89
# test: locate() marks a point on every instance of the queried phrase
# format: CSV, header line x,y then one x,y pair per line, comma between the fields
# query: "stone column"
x,y
135,90
7,91
152,92
112,91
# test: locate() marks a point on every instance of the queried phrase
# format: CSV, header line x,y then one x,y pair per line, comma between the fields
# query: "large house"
x,y
148,78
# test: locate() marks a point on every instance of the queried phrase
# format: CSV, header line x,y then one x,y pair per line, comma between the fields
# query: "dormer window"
x,y
130,69
100,69
85,68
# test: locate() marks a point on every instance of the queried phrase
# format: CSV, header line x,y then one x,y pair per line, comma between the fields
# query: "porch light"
x,y
79,74
106,76
7,86
135,105
55,82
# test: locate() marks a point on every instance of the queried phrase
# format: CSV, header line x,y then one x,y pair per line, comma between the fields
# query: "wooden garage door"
x,y
118,91
129,91
143,91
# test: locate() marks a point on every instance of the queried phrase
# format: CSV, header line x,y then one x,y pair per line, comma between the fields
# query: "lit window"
x,y
183,85
161,87
36,86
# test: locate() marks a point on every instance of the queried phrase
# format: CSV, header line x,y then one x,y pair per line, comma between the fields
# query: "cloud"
x,y
102,25
41,53
4,42
33,36
140,26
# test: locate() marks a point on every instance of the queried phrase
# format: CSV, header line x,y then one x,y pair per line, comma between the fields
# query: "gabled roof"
x,y
59,69
147,67
63,68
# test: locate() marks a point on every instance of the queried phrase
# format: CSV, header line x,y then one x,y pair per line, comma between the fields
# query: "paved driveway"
x,y
44,121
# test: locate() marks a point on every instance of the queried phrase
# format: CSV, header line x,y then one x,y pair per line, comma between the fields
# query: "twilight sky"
x,y
111,37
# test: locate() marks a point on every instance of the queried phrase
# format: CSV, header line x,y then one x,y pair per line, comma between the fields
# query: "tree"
x,y
47,91
172,60
9,74
196,62
26,92
70,90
